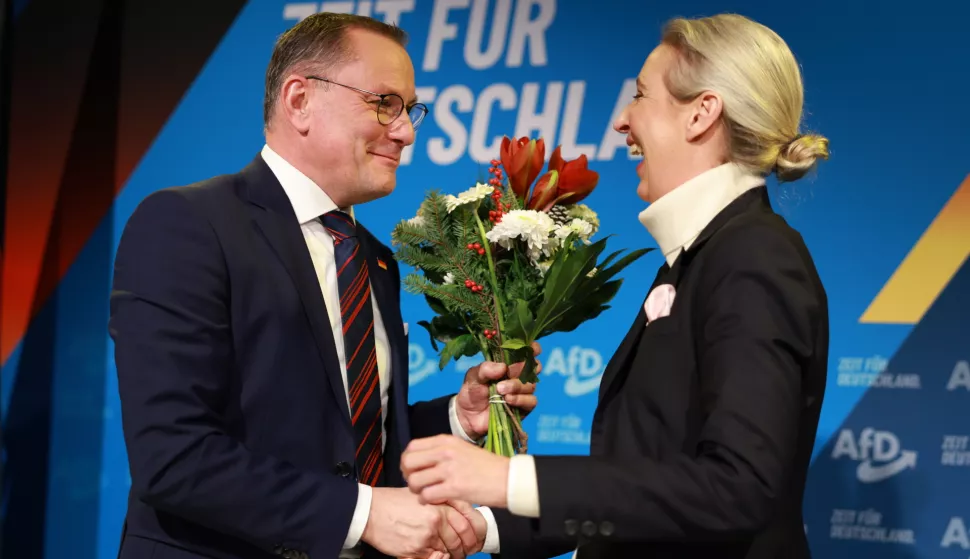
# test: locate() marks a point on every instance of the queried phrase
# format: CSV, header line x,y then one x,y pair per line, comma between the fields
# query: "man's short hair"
x,y
318,42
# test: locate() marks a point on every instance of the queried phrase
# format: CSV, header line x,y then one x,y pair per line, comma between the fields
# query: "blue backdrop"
x,y
885,82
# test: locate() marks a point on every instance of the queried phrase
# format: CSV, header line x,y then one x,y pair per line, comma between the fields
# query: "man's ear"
x,y
294,102
705,111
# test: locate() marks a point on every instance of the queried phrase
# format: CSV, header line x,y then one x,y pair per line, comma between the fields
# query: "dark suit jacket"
x,y
235,417
706,419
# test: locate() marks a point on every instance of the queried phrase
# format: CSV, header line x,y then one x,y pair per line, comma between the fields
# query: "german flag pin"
x,y
381,264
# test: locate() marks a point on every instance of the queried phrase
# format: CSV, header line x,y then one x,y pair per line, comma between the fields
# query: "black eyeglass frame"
x,y
383,103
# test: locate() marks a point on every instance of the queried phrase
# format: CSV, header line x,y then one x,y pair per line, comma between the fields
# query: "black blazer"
x,y
703,433
234,413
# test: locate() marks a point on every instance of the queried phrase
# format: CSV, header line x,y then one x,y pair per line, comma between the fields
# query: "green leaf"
x,y
427,326
436,305
608,272
518,321
464,345
526,355
565,274
514,343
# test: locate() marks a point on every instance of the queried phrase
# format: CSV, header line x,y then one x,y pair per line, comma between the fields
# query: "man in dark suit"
x,y
707,413
261,353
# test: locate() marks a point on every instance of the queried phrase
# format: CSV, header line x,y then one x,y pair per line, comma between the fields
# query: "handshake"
x,y
400,526
432,517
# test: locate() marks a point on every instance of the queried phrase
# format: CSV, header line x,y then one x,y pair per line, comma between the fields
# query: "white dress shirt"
x,y
674,221
309,202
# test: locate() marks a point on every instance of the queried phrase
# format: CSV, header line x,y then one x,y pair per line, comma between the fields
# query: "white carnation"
x,y
583,229
531,226
448,279
416,221
478,192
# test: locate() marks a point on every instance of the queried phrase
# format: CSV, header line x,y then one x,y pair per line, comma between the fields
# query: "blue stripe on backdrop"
x,y
878,85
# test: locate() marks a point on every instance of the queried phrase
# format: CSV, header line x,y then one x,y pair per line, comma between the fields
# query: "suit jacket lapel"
x,y
618,365
619,360
275,219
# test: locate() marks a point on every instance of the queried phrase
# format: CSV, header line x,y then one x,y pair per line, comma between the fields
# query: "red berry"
x,y
495,162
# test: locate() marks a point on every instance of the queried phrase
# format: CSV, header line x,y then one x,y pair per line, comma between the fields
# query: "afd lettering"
x,y
956,534
960,378
582,367
879,454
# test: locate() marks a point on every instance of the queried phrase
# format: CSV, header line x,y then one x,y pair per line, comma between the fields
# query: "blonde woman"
x,y
708,410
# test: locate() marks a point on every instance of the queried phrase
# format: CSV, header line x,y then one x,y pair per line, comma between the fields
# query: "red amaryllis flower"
x,y
544,194
566,181
522,160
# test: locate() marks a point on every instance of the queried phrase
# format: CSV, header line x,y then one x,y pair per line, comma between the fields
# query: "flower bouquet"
x,y
505,264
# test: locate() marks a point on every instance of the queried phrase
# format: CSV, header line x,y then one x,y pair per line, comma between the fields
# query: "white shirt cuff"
x,y
361,514
523,490
491,535
456,428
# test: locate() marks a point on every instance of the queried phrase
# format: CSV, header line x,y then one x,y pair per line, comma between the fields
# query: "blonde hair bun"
x,y
760,83
800,156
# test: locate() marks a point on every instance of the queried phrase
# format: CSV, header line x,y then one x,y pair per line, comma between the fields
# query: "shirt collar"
x,y
309,201
678,217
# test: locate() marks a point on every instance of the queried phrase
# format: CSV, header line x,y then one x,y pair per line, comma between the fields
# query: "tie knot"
x,y
339,225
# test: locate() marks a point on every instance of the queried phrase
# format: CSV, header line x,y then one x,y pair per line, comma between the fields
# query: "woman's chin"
x,y
643,191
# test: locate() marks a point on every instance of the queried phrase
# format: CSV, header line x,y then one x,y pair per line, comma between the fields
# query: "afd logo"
x,y
420,365
960,377
956,534
879,454
582,367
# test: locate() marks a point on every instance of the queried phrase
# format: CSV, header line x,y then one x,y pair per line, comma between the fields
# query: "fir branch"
x,y
452,297
423,259
417,235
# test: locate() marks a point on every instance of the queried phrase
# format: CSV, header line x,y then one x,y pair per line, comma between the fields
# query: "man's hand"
x,y
478,523
400,526
471,405
445,468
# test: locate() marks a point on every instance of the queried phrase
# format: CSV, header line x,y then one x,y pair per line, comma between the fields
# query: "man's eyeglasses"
x,y
390,107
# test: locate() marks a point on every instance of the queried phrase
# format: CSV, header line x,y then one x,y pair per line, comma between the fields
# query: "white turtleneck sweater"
x,y
674,221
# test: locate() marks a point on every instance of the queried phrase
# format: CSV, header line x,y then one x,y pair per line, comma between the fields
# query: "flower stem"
x,y
492,277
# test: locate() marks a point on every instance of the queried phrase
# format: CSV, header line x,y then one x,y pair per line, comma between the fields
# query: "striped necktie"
x,y
357,318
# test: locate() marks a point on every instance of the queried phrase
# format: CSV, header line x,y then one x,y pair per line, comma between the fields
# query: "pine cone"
x,y
560,214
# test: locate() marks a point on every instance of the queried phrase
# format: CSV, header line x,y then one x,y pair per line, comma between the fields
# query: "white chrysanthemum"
x,y
478,192
448,279
531,226
583,212
583,229
416,221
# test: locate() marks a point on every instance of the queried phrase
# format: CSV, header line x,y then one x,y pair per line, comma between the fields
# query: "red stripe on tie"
x,y
361,344
349,260
373,385
361,379
360,305
377,420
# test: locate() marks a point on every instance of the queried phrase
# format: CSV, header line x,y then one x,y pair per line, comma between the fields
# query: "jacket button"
x,y
606,528
589,529
571,527
343,469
